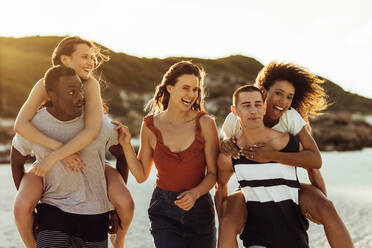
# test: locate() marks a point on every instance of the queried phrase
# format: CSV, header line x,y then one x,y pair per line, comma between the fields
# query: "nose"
x,y
79,98
90,61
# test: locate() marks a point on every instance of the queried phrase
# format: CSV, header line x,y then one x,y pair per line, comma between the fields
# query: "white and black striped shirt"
x,y
271,193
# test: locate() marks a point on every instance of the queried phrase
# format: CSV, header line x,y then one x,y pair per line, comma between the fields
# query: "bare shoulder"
x,y
208,127
207,121
91,83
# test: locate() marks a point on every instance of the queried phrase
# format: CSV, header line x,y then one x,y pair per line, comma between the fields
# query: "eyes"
x,y
74,92
279,93
257,105
195,89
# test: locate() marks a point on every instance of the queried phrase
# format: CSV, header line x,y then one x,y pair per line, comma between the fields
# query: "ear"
x,y
233,110
65,59
264,93
52,95
169,88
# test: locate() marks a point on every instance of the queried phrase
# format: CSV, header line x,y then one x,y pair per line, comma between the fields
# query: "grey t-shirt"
x,y
83,192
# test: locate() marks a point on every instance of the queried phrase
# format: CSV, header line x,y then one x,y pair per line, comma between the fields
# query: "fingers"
x,y
181,195
185,201
229,148
37,170
79,162
246,152
74,162
69,163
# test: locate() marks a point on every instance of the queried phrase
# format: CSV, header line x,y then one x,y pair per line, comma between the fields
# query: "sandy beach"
x,y
347,174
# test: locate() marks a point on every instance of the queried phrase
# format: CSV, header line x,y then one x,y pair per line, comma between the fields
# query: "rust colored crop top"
x,y
182,170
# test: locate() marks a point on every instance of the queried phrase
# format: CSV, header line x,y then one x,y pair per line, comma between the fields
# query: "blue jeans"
x,y
173,227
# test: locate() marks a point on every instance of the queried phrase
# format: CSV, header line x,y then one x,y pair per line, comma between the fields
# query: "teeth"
x,y
186,101
278,108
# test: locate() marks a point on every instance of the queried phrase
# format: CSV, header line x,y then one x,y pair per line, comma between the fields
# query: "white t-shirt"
x,y
290,122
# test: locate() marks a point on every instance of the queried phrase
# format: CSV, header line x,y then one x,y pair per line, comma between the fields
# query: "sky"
x,y
331,38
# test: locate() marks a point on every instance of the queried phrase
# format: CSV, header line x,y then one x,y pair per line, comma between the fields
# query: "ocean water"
x,y
349,182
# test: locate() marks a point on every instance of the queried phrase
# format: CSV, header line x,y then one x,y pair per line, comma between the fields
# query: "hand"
x,y
41,168
74,162
229,148
124,133
260,153
114,222
186,200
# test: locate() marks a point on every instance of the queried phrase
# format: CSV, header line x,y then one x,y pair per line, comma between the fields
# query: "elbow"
x,y
318,163
18,127
140,179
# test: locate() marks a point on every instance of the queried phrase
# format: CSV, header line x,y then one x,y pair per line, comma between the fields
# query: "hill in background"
x,y
131,80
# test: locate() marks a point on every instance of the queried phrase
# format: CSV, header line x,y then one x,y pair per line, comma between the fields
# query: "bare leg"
x,y
122,200
29,193
232,221
316,204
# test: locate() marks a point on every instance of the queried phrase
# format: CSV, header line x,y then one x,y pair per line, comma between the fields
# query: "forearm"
x,y
27,130
317,180
206,184
81,140
135,166
306,159
219,196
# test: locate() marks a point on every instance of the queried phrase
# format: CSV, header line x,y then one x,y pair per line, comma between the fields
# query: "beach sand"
x,y
348,177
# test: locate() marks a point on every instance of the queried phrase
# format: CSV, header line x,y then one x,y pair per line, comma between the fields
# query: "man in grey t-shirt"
x,y
74,205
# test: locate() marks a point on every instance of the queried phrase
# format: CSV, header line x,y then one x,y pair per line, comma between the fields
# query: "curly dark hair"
x,y
160,100
309,99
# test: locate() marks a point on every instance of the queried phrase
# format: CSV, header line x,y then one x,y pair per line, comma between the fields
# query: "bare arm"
x,y
317,180
121,163
139,166
211,147
224,172
17,162
23,125
308,158
93,121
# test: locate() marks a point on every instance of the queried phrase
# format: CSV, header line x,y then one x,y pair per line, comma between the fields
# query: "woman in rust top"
x,y
183,143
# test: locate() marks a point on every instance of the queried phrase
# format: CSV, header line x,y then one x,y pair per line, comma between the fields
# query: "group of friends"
x,y
79,197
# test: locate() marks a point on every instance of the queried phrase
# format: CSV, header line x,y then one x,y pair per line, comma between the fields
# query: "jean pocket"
x,y
154,203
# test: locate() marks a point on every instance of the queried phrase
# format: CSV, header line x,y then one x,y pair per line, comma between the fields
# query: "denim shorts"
x,y
173,227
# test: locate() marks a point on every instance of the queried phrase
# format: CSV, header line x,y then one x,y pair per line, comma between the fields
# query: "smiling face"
x,y
185,92
279,99
249,108
67,98
82,60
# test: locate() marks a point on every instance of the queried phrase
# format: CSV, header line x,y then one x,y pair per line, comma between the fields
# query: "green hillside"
x,y
131,80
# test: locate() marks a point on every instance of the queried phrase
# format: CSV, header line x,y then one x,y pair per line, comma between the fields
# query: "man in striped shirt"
x,y
270,189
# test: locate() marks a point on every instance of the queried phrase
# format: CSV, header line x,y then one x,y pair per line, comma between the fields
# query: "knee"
x,y
22,207
228,225
125,204
326,208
